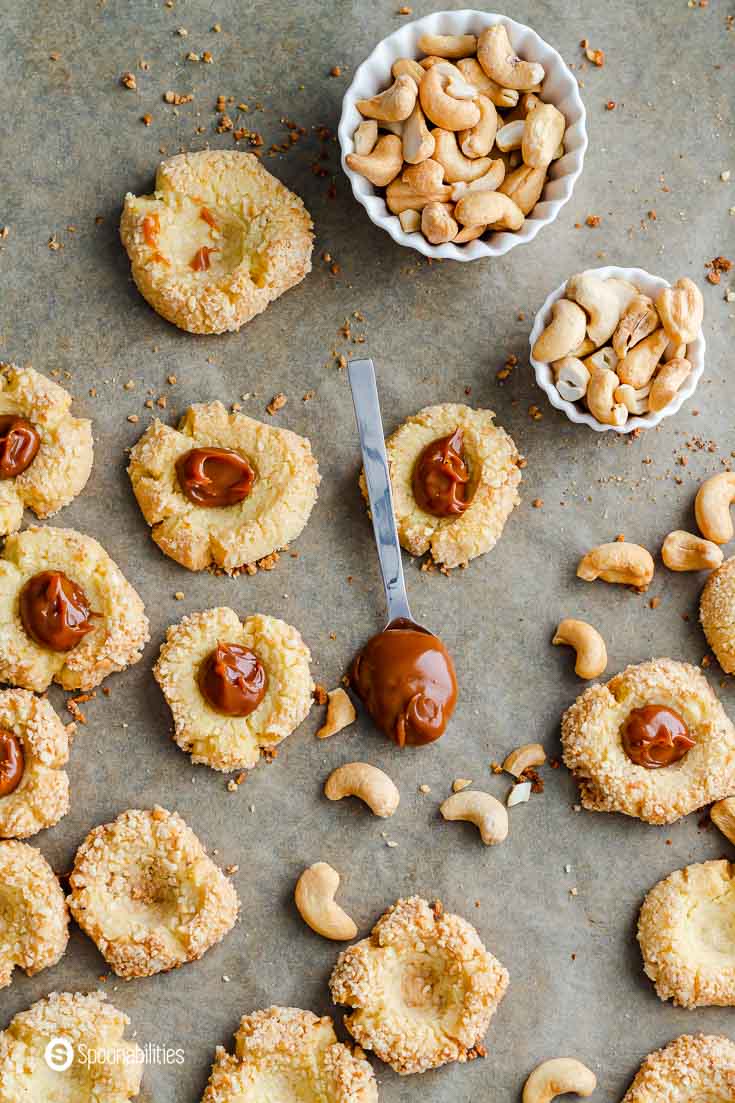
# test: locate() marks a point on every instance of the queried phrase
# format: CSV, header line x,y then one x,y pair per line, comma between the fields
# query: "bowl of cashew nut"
x,y
463,134
618,348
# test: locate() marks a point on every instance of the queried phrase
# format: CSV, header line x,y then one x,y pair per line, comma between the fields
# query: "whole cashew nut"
x,y
683,551
498,59
572,378
523,758
638,365
489,181
510,136
408,67
627,564
410,221
481,809
637,321
564,333
489,208
443,107
368,783
667,383
681,309
418,143
478,141
365,137
635,401
587,642
383,164
469,233
524,186
314,897
722,815
456,166
559,1076
437,224
602,358
393,105
712,507
600,398
473,73
673,352
603,300
448,45
419,185
543,133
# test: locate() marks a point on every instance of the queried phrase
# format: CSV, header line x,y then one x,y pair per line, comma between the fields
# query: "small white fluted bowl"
x,y
560,88
649,285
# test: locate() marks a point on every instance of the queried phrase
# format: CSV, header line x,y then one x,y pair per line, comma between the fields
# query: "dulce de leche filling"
x,y
655,736
19,443
440,477
55,611
406,680
233,679
214,476
12,763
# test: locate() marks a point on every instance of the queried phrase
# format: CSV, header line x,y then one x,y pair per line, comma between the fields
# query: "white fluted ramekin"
x,y
560,88
649,285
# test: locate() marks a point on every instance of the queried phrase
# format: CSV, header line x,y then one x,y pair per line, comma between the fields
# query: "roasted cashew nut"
x,y
667,383
722,815
419,185
456,166
602,358
365,137
559,1076
437,224
481,809
572,377
712,507
603,300
340,713
524,186
409,67
681,309
478,141
639,364
473,73
600,398
635,401
587,642
524,758
314,897
368,783
486,208
418,143
564,333
638,320
510,136
468,233
683,551
410,221
489,181
393,105
448,45
543,133
499,61
381,165
440,101
627,564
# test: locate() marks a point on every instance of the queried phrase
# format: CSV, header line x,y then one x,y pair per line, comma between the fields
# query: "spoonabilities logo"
x,y
59,1054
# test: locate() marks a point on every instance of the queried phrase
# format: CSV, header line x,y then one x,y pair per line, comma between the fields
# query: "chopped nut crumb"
x,y
277,403
128,81
593,220
461,783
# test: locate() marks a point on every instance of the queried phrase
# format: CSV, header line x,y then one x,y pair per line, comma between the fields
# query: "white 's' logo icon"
x,y
59,1054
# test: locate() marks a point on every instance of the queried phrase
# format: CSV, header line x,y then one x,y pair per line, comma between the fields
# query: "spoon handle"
x,y
375,461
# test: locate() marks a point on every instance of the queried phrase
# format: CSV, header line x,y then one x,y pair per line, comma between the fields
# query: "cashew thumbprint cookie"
x,y
147,894
695,1068
686,931
45,453
654,743
454,476
717,614
67,614
235,688
218,240
292,1056
423,987
223,488
34,746
45,1053
34,922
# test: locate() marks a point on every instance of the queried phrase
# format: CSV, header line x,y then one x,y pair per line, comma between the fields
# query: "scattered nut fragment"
x,y
683,551
587,642
461,783
621,562
340,713
519,794
314,897
722,815
523,758
712,507
371,785
559,1076
481,809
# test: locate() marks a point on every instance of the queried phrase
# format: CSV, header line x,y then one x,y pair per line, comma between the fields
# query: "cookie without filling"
x,y
273,513
147,894
423,987
491,493
717,614
34,922
293,1056
610,781
218,240
694,1067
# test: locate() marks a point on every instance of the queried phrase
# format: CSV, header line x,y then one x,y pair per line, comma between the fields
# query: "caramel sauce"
x,y
233,679
12,763
55,611
214,476
655,736
440,477
19,444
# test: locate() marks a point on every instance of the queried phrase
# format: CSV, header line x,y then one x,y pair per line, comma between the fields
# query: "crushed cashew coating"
x,y
61,467
42,797
492,459
686,932
717,614
423,987
692,1067
147,894
234,742
221,205
291,1055
609,781
33,916
120,627
273,514
87,1023
340,713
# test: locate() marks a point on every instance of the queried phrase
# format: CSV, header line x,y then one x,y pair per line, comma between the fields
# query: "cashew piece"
x,y
365,137
478,141
473,73
489,208
559,1076
681,309
637,321
638,365
410,221
371,785
572,378
564,332
437,224
497,58
603,300
587,642
468,233
600,398
456,166
628,564
602,358
683,551
722,815
340,713
712,507
448,45
524,186
418,143
673,352
481,809
667,382
419,185
314,897
383,164
543,133
439,104
635,401
523,758
510,136
393,105
489,181
408,67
